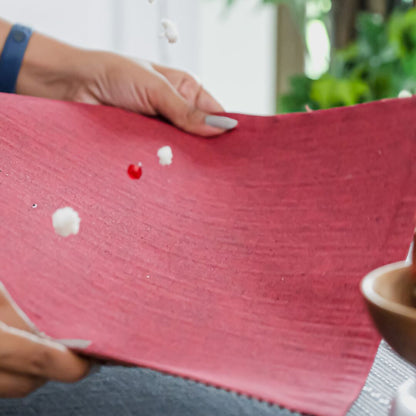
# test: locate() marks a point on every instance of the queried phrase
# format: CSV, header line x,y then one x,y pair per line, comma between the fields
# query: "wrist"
x,y
50,69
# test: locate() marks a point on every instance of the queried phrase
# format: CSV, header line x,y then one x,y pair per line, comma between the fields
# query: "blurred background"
x,y
255,56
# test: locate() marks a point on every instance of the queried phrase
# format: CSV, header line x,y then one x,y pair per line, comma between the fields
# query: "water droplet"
x,y
366,388
148,276
384,401
34,205
135,171
375,395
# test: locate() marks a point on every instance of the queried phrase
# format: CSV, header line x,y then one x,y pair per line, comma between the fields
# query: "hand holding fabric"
x,y
27,359
52,69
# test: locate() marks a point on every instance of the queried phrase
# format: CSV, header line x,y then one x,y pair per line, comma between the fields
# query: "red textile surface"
x,y
254,242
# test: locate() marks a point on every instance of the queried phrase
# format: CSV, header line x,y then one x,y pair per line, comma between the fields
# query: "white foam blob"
x,y
66,221
165,155
170,32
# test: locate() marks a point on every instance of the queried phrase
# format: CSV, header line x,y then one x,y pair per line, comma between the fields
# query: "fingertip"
x,y
77,369
187,117
196,123
207,131
208,125
59,363
221,122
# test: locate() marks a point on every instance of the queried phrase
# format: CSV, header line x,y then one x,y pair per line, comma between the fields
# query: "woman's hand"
x,y
27,360
55,70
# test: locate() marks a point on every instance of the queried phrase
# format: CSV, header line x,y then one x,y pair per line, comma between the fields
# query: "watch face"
x,y
19,36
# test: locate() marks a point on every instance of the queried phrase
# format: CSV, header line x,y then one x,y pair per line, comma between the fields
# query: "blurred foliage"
x,y
379,64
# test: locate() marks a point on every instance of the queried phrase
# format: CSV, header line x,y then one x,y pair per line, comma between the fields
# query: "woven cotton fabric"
x,y
237,266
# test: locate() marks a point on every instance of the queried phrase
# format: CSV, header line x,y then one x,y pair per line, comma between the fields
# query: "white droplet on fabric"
x,y
34,205
66,221
165,155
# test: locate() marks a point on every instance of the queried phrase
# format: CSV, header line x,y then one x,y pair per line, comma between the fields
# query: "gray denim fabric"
x,y
118,391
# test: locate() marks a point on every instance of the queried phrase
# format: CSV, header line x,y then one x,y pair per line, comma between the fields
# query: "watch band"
x,y
12,56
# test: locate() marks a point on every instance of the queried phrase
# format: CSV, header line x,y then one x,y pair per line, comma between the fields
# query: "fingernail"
x,y
79,344
220,122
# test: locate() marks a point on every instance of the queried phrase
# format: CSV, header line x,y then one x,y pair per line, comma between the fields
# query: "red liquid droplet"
x,y
135,171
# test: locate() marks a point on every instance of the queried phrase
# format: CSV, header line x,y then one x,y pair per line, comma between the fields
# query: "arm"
x,y
53,69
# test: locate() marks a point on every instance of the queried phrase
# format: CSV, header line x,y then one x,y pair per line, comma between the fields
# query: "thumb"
x,y
25,353
170,104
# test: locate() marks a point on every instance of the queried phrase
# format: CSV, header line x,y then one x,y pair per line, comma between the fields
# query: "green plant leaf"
x,y
402,32
332,92
298,97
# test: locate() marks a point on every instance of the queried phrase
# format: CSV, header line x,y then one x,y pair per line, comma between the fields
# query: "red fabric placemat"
x,y
238,265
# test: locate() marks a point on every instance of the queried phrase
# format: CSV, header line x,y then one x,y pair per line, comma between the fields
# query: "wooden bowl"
x,y
390,294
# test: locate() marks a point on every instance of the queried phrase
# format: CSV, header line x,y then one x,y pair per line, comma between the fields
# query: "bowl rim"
x,y
367,290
